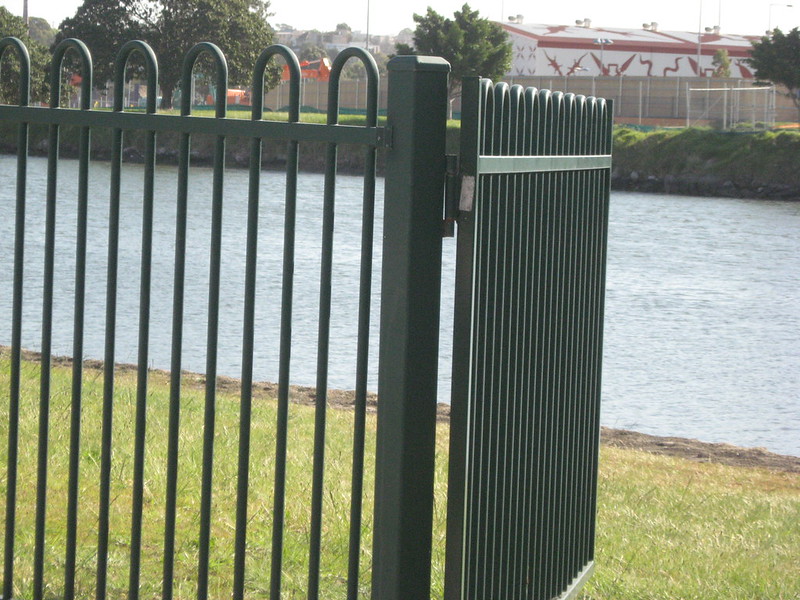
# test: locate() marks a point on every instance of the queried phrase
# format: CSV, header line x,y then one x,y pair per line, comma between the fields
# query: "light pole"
x,y
699,37
602,42
366,46
769,21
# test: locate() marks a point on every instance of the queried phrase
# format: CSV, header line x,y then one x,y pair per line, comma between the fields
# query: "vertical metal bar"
x,y
44,385
538,506
173,433
178,287
245,406
590,146
517,299
144,304
249,314
109,357
482,379
583,191
555,345
209,418
325,310
144,295
151,69
531,355
604,126
323,340
456,480
494,468
569,318
409,328
287,288
77,335
16,319
362,350
47,305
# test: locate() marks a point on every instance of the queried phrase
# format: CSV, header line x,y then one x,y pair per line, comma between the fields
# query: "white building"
x,y
582,50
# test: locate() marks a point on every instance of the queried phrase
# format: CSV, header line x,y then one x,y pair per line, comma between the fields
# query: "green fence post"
x,y
410,294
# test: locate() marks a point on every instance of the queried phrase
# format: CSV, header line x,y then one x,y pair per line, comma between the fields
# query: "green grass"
x,y
767,157
667,528
670,528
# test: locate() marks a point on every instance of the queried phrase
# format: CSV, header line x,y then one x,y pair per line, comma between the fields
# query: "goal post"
x,y
730,106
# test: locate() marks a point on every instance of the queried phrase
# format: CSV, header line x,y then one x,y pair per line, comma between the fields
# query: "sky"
x,y
748,17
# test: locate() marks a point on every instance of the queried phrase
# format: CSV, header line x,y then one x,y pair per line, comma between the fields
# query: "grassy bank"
x,y
312,155
708,162
667,528
692,161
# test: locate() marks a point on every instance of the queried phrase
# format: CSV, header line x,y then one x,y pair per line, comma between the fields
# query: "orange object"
x,y
315,69
238,97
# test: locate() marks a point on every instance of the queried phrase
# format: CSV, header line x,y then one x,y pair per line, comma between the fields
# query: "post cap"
x,y
415,62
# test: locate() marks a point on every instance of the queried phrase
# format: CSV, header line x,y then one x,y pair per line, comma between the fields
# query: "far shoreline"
x,y
681,162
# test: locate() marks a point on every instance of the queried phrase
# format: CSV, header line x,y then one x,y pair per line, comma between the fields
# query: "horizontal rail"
x,y
277,130
576,587
494,165
733,89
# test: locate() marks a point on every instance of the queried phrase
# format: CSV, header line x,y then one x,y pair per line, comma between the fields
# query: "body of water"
x,y
702,335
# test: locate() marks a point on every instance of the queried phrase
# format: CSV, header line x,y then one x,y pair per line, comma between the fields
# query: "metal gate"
x,y
528,342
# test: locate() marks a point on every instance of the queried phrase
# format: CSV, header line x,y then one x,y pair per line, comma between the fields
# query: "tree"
x,y
311,52
41,31
776,59
172,27
722,63
473,45
11,25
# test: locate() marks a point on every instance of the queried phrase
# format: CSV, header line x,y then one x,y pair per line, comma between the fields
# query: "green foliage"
x,y
13,26
722,63
41,31
776,58
172,27
104,25
311,52
746,159
473,45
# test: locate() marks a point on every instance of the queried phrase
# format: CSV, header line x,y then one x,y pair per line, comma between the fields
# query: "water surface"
x,y
702,335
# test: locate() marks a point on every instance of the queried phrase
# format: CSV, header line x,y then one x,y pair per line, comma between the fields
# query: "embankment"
x,y
695,162
700,162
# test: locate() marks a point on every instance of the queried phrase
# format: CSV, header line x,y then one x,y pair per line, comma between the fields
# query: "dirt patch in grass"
x,y
690,449
726,454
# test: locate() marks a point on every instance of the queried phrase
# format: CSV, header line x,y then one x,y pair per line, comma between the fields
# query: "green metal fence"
x,y
526,365
49,571
528,340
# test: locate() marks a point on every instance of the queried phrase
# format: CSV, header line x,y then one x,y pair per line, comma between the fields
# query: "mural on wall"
x,y
545,50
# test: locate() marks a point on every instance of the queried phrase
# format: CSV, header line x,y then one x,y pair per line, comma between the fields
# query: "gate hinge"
x,y
385,136
451,195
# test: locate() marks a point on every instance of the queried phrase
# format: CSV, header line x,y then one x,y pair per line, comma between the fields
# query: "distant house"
x,y
582,50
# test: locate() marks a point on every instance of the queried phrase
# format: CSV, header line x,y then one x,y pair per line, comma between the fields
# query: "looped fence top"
x,y
24,67
151,69
85,58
